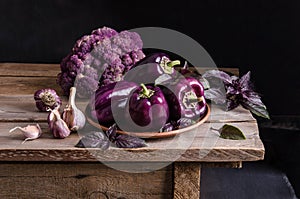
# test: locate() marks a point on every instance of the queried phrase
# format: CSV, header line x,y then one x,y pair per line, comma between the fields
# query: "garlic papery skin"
x,y
74,117
47,98
31,132
57,125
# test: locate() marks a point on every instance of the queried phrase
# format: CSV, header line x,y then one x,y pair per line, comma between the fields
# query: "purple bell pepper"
x,y
148,109
150,68
185,97
112,95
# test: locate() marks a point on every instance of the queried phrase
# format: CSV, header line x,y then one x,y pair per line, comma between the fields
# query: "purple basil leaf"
x,y
231,104
184,122
254,98
94,139
230,90
127,141
111,132
216,95
259,110
245,81
204,82
217,74
167,127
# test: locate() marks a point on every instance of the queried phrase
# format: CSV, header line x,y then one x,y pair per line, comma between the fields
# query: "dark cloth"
x,y
256,180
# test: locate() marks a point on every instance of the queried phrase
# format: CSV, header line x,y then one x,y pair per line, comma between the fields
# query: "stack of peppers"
x,y
153,96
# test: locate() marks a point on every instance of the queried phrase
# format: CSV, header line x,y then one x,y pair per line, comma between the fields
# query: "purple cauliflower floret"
x,y
128,41
86,44
86,85
87,81
65,81
104,32
100,58
113,73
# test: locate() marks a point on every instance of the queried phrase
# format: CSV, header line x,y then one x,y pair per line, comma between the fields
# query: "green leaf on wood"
x,y
230,132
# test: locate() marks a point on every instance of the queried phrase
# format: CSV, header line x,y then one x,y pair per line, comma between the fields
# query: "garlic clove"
x,y
30,132
73,116
57,126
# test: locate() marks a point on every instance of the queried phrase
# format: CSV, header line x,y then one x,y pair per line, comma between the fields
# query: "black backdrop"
x,y
260,36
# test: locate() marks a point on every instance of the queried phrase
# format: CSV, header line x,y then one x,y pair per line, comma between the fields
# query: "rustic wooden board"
x,y
54,168
18,108
82,180
22,108
29,70
27,85
202,145
29,77
186,180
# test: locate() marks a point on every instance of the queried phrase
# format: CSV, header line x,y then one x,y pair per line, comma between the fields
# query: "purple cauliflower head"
x,y
100,58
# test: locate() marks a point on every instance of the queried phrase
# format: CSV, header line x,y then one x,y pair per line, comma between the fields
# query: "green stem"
x,y
198,99
145,91
173,63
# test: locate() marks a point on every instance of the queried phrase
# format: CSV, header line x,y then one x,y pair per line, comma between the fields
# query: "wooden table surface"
x,y
57,164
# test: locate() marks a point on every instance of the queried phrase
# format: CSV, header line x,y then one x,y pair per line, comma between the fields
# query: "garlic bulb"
x,y
31,132
57,126
46,98
74,117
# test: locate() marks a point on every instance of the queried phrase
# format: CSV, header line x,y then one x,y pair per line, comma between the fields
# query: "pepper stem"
x,y
198,99
146,92
173,63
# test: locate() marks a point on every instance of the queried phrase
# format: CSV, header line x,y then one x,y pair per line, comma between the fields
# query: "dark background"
x,y
261,36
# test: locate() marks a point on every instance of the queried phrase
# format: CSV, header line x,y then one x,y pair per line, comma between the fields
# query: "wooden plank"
x,y
22,108
21,78
239,114
186,180
18,108
80,180
27,85
29,69
235,165
201,145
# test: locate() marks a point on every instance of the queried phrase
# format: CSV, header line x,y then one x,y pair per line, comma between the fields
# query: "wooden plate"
x,y
152,134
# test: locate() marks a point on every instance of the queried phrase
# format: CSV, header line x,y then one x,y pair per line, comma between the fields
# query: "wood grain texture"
x,y
29,69
26,78
22,108
82,180
54,168
27,85
186,180
18,108
201,145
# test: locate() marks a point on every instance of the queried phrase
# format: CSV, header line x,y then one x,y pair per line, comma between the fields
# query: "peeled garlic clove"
x,y
57,126
74,117
31,132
